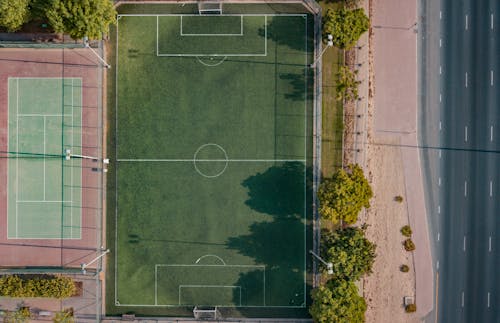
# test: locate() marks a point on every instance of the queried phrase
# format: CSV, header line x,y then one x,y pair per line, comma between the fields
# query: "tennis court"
x,y
44,189
212,145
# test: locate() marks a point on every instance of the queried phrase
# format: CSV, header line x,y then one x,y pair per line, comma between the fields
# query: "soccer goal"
x,y
209,8
206,313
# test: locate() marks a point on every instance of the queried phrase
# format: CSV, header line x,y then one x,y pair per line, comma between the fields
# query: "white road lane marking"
x,y
488,299
440,14
440,97
439,209
440,42
437,265
439,181
466,137
465,241
465,188
491,133
489,244
439,235
463,298
440,126
440,154
491,188
440,70
466,79
491,23
491,77
466,22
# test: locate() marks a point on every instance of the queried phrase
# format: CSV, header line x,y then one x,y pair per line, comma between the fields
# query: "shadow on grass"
x,y
289,32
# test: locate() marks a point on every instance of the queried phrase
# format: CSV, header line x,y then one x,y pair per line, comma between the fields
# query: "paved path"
x,y
395,116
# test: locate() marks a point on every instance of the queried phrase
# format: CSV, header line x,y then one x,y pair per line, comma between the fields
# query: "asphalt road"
x,y
461,130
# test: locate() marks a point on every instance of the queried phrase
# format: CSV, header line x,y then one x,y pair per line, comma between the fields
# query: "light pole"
x,y
329,265
87,45
328,44
68,155
85,265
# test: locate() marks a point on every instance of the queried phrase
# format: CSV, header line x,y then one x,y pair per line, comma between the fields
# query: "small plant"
x,y
404,268
398,199
22,315
406,231
409,245
410,308
64,316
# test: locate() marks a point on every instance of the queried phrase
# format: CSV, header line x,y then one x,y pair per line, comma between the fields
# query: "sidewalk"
x,y
395,118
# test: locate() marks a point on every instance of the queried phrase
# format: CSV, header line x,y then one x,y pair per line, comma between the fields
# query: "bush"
x,y
398,198
406,231
409,245
410,308
14,13
22,315
45,286
64,316
404,268
346,26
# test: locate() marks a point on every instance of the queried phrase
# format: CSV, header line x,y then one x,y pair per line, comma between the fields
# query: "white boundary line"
x,y
240,34
206,286
44,149
262,267
305,156
190,160
216,54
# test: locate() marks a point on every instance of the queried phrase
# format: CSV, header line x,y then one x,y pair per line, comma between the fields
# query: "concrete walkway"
x,y
395,117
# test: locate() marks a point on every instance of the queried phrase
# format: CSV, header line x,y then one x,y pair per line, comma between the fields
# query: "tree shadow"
x,y
302,85
287,31
283,191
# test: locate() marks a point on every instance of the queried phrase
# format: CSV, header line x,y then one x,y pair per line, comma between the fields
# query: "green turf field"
x,y
44,189
213,141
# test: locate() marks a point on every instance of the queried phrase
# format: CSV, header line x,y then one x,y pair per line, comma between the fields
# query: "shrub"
x,y
409,245
14,13
22,315
406,231
45,286
404,268
410,308
64,316
398,198
346,26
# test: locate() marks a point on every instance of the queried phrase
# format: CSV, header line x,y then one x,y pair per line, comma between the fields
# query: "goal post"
x,y
206,313
209,8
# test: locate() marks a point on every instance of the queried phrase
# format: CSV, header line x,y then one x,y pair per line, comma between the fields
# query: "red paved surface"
x,y
395,65
54,63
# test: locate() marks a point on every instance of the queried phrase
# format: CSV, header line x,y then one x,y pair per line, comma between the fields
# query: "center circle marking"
x,y
225,160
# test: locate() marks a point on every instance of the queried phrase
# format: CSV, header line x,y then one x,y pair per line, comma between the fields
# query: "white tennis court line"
x,y
40,115
305,154
42,201
72,159
240,34
17,159
216,54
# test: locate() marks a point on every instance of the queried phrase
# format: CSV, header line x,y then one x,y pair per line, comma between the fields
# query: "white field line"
x,y
211,160
44,144
305,166
40,115
72,160
17,149
42,201
209,35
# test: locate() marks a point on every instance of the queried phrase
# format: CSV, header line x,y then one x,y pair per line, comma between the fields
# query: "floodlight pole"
x,y
85,265
68,155
328,45
329,265
87,45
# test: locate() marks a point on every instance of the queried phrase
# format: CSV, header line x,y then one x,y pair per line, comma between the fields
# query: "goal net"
x,y
206,313
209,8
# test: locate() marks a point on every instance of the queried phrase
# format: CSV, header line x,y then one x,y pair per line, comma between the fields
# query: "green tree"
x,y
14,13
347,85
343,195
80,18
346,26
337,302
351,254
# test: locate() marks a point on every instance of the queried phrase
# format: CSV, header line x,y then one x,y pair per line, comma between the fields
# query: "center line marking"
x,y
491,133
465,133
466,79
440,14
439,235
440,126
491,188
491,77
488,299
491,23
439,153
466,22
465,242
489,244
439,209
440,97
440,69
437,265
439,181
463,296
465,188
440,42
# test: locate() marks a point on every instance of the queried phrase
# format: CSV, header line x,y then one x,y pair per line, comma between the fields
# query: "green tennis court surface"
x,y
213,133
44,189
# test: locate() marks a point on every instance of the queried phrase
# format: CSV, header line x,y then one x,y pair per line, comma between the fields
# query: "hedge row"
x,y
46,286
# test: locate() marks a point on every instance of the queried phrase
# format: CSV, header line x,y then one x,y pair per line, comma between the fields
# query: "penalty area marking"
x,y
185,34
215,256
200,60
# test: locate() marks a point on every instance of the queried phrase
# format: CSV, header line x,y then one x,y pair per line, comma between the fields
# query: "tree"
x,y
347,85
351,254
80,18
346,26
14,13
337,302
343,195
